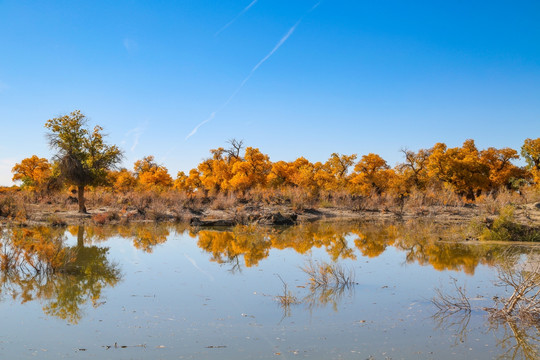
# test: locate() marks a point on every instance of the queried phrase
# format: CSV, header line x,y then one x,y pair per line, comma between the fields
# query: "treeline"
x,y
467,171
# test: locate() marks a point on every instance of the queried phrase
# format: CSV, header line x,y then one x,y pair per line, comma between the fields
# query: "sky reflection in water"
x,y
168,291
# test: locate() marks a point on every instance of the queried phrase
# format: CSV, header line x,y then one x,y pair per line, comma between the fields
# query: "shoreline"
x,y
50,215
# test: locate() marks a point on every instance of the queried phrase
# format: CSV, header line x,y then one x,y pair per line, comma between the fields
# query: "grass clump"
x,y
505,228
328,275
288,298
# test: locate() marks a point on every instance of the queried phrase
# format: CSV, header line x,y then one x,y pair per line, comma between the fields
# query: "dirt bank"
x,y
44,214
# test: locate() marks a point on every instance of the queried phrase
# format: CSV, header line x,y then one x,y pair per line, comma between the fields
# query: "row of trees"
x,y
83,159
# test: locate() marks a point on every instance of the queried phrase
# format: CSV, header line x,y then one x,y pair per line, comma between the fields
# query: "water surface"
x,y
146,291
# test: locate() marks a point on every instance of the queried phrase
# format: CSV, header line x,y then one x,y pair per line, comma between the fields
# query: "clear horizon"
x,y
303,78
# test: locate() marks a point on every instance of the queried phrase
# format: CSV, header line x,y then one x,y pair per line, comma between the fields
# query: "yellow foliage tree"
x,y
371,175
251,172
501,169
461,168
414,169
216,172
33,172
337,167
122,180
531,152
152,176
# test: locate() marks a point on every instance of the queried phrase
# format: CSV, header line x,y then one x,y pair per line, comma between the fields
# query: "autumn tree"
x,y
33,172
152,175
414,168
82,156
371,174
531,152
251,172
460,167
338,167
216,171
501,169
188,183
303,174
122,180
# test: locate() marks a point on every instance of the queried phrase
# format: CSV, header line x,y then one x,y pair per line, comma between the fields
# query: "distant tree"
x,y
122,180
501,169
371,174
33,172
338,167
235,149
531,152
82,156
152,175
414,169
252,172
461,168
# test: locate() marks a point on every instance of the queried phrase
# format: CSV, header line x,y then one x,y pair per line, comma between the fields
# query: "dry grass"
x,y
493,203
223,202
288,298
13,206
505,227
328,275
105,218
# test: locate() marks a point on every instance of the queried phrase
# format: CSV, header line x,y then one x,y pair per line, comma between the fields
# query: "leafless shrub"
x,y
105,218
101,198
520,276
223,202
448,304
12,206
158,211
493,203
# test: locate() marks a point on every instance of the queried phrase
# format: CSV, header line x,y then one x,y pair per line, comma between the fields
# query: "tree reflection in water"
x,y
37,265
64,288
520,328
519,341
424,243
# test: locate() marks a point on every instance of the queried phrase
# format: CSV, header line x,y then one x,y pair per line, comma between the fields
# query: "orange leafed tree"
x,y
461,168
531,152
122,180
501,169
33,172
252,172
152,176
371,175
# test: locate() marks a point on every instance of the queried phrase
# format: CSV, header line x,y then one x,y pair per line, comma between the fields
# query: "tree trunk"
x,y
80,237
80,193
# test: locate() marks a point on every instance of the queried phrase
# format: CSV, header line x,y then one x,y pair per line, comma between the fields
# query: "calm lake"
x,y
149,291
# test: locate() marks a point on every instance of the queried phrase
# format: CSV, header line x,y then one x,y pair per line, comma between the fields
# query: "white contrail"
x,y
236,17
278,45
315,6
212,115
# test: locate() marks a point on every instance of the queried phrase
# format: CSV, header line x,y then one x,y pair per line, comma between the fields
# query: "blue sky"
x,y
294,78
